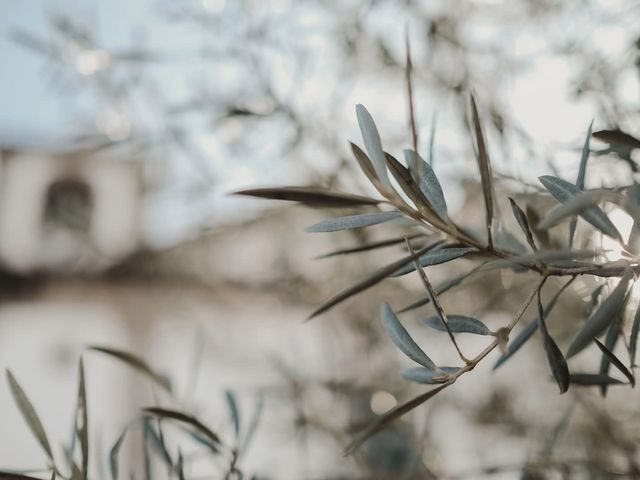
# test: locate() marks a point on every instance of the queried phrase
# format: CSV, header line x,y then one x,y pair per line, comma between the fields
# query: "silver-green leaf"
x,y
401,338
428,183
427,376
372,143
435,257
598,322
555,359
352,221
458,324
563,191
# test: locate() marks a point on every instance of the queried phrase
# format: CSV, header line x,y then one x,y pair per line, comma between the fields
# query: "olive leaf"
x,y
426,179
368,282
563,191
633,339
15,476
458,324
555,359
427,376
401,338
613,333
352,221
527,332
365,247
582,171
521,218
435,257
185,419
445,287
485,169
597,323
82,418
372,143
390,416
592,379
114,452
135,362
30,415
234,412
317,197
616,361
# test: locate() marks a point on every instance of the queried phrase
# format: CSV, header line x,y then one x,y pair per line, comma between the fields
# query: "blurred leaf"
x,y
616,362
30,415
373,279
521,218
633,340
617,137
352,221
370,246
317,197
555,359
372,144
253,424
429,377
82,422
134,362
15,476
582,171
507,241
563,191
584,201
401,338
526,333
592,379
114,452
180,467
547,257
542,235
458,324
157,441
428,183
435,257
485,168
390,416
610,344
601,318
184,418
233,411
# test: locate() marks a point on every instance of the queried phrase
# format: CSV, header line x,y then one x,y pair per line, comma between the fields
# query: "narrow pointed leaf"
x,y
617,137
82,418
611,338
582,171
352,221
114,454
616,361
485,168
435,257
401,338
185,419
367,167
428,377
134,362
445,287
521,218
317,197
372,143
368,282
390,416
458,324
584,201
555,359
633,339
30,415
15,476
527,332
365,247
563,191
428,183
598,322
234,412
592,379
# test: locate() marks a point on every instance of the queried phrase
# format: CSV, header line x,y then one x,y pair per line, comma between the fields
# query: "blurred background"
x,y
125,125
